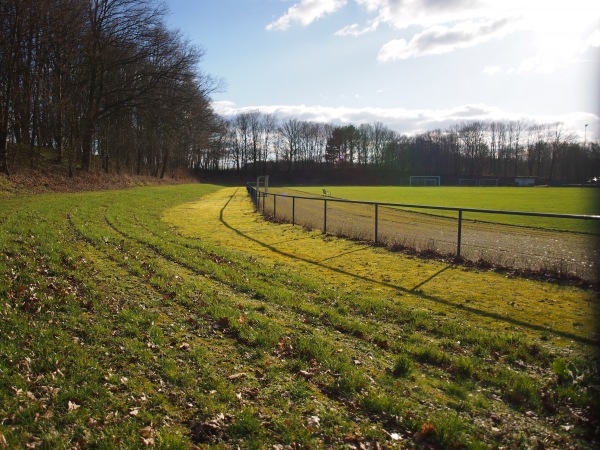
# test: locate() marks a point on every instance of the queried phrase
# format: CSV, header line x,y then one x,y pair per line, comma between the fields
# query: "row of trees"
x,y
102,82
252,141
105,85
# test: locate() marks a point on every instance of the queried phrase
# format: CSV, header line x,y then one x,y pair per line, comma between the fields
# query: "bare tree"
x,y
11,23
291,131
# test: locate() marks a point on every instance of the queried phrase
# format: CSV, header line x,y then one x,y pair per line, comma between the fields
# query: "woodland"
x,y
106,86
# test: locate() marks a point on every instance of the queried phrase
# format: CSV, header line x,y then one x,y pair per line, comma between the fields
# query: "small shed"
x,y
525,181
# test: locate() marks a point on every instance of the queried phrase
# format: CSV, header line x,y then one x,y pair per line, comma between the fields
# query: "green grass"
x,y
570,200
119,330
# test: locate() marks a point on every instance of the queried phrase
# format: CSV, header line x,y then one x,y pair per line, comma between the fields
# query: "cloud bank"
x,y
441,39
558,30
413,121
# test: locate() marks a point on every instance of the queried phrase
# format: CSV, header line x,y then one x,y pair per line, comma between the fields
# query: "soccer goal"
x,y
468,182
265,183
488,182
425,181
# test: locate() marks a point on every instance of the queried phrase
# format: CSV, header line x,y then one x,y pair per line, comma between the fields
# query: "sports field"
x,y
549,245
585,201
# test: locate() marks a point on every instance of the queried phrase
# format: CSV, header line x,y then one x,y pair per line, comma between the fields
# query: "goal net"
x,y
488,182
425,181
467,182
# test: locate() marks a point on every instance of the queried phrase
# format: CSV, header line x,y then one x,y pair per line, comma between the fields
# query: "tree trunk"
x,y
86,144
164,165
4,128
4,151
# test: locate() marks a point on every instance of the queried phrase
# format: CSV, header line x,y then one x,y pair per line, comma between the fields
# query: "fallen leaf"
x,y
395,437
34,444
237,376
427,429
146,432
73,406
148,442
313,421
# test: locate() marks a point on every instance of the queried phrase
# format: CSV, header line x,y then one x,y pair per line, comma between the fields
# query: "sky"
x,y
414,65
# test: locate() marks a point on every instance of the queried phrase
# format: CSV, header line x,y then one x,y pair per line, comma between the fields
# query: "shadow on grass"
x,y
414,291
424,282
341,254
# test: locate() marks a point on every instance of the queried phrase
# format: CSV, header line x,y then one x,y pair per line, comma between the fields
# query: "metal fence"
x,y
453,232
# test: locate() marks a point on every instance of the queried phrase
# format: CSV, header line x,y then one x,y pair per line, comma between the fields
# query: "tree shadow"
x,y
414,291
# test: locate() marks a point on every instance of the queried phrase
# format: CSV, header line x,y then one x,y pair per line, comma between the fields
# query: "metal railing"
x,y
267,204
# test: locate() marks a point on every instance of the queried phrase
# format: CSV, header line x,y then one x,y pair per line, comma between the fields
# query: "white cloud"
x,y
492,70
306,12
406,13
355,30
593,40
555,32
411,121
441,39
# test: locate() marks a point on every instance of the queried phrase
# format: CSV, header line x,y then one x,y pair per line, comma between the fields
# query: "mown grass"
x,y
569,200
120,332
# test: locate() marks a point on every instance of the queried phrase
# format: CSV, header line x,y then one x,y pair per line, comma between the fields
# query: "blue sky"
x,y
414,65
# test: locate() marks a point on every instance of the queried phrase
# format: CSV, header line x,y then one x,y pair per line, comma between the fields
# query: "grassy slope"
x,y
548,200
116,332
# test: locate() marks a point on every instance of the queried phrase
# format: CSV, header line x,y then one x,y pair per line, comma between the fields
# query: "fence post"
x,y
274,206
459,234
264,200
324,216
376,221
293,211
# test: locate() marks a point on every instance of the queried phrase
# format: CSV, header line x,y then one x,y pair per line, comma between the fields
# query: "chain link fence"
x,y
445,231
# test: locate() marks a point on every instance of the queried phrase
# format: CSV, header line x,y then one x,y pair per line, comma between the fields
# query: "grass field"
x,y
175,317
584,201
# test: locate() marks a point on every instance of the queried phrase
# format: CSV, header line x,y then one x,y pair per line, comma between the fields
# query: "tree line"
x,y
254,142
104,84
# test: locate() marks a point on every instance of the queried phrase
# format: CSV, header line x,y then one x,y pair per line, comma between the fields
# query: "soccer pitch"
x,y
536,199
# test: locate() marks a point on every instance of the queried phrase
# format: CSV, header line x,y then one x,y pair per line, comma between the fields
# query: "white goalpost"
x,y
265,183
425,181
